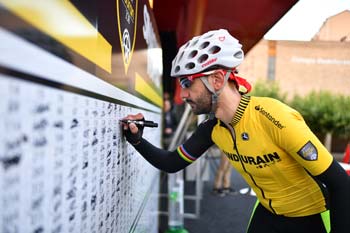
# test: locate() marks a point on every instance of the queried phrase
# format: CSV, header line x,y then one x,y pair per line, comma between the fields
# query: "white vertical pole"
x,y
176,184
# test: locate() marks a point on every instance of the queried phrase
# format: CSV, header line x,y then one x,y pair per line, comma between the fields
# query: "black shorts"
x,y
263,221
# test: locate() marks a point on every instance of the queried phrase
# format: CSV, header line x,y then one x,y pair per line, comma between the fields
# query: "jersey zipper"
x,y
233,134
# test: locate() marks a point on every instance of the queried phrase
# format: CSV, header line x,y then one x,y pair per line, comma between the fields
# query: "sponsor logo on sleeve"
x,y
308,152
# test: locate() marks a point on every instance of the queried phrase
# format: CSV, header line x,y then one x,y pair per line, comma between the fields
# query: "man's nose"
x,y
184,93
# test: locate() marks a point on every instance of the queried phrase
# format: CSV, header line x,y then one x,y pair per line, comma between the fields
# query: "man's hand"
x,y
132,132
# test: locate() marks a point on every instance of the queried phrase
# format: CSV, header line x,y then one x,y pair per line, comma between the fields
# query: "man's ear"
x,y
217,80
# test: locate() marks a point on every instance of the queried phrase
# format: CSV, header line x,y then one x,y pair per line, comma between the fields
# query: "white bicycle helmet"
x,y
215,48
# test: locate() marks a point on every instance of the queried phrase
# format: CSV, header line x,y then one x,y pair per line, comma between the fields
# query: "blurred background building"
x,y
298,67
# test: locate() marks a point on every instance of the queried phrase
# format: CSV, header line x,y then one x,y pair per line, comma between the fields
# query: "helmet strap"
x,y
214,94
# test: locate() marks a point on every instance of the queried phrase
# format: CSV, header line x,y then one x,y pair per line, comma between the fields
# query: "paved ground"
x,y
228,214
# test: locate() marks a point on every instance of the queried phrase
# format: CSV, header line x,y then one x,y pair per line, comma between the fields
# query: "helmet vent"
x,y
193,54
194,42
190,66
181,55
187,44
215,49
208,36
238,55
177,69
203,58
204,45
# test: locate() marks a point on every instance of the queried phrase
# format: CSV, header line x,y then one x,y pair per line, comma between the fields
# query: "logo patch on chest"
x,y
245,136
308,152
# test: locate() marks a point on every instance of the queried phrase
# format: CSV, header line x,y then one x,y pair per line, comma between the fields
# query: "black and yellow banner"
x,y
116,41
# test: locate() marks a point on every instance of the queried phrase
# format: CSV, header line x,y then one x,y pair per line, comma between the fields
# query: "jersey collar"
x,y
240,110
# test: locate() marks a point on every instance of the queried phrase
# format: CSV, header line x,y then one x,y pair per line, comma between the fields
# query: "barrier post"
x,y
176,182
176,203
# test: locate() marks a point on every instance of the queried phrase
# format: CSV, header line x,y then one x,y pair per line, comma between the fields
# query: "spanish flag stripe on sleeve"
x,y
184,155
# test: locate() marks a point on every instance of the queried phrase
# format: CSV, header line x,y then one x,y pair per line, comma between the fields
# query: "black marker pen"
x,y
141,122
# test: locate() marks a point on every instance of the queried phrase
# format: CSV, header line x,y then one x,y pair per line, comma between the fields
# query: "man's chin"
x,y
193,107
199,112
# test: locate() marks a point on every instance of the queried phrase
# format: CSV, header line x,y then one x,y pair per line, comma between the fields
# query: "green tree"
x,y
325,113
268,89
342,116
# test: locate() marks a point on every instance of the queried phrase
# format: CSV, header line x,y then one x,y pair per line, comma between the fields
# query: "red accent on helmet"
x,y
243,85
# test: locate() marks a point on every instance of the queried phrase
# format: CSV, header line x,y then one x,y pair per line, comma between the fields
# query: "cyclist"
x,y
296,180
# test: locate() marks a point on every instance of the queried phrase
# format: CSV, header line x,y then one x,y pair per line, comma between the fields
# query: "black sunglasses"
x,y
185,82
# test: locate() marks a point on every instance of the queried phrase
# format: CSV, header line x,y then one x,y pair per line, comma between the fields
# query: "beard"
x,y
202,104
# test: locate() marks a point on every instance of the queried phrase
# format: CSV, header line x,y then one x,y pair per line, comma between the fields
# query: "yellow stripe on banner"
x,y
142,87
62,21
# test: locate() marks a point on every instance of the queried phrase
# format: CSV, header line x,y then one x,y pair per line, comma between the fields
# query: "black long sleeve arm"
x,y
171,161
338,185
168,161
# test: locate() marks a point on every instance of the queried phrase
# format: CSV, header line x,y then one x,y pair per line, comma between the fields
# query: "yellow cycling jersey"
x,y
277,154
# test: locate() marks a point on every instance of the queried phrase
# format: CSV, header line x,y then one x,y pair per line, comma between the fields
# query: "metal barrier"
x,y
175,194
